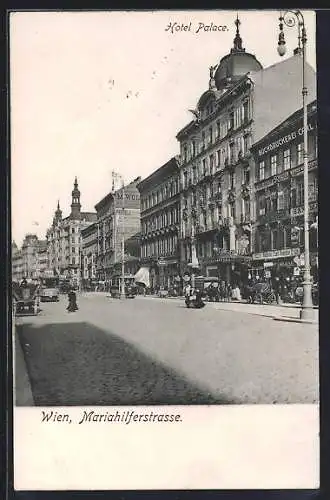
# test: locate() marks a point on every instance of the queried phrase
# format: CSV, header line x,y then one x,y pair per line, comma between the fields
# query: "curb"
x,y
288,319
22,385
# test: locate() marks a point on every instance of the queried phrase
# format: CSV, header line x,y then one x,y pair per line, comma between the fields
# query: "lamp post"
x,y
293,18
117,176
194,264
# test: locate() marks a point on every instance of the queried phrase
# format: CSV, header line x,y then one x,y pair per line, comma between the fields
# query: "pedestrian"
x,y
276,287
72,306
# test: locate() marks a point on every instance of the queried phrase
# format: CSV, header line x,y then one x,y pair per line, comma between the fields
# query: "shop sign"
x,y
276,254
272,181
300,170
161,262
267,274
296,271
285,140
268,264
295,212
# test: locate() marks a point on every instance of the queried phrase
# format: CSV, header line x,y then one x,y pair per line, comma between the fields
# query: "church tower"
x,y
75,205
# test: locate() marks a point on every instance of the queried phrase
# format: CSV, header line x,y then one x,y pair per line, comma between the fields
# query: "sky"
x,y
93,92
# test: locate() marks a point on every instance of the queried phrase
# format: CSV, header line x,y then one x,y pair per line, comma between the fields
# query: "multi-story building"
x,y
17,263
64,238
279,193
29,256
42,268
244,101
118,219
89,253
160,224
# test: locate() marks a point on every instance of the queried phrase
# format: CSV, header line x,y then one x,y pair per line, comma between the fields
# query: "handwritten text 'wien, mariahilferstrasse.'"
x,y
195,28
119,416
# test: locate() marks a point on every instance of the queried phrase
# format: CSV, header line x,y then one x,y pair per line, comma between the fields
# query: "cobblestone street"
x,y
142,351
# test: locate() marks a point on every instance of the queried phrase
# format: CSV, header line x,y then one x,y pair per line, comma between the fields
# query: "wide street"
x,y
155,351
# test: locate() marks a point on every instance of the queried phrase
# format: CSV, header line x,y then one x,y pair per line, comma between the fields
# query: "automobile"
x,y
49,294
130,286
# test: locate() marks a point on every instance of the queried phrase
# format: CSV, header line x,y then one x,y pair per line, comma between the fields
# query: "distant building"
x,y
42,267
64,238
89,253
17,263
30,256
279,196
160,224
118,218
244,101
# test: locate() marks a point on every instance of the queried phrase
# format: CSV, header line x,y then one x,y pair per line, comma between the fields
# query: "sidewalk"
x,y
22,387
284,312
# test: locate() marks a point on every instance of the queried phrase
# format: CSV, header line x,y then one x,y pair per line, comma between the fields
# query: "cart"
x,y
26,299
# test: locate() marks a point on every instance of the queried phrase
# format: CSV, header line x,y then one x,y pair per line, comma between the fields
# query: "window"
x,y
218,129
246,144
232,180
287,159
210,135
246,111
211,164
246,205
204,166
231,152
261,170
203,140
194,174
300,153
193,147
273,165
185,179
231,119
300,194
218,158
232,211
246,176
185,153
280,200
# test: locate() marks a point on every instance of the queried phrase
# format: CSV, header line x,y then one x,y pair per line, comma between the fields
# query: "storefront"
x,y
283,264
228,266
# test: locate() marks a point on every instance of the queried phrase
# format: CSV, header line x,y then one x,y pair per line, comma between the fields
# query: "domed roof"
x,y
236,64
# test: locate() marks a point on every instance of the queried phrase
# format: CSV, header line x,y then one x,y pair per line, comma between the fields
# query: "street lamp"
x,y
116,176
194,264
292,18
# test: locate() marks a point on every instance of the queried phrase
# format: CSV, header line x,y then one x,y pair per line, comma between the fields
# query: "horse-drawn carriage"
x,y
26,299
260,293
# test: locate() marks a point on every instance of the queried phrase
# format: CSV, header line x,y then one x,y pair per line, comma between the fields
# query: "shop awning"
x,y
143,276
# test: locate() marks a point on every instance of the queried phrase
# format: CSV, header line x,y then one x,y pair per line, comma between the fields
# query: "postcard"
x,y
165,250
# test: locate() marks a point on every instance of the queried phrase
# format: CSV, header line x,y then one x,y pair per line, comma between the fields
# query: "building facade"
x,y
118,219
17,263
160,224
30,247
89,253
279,194
244,101
64,238
42,259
